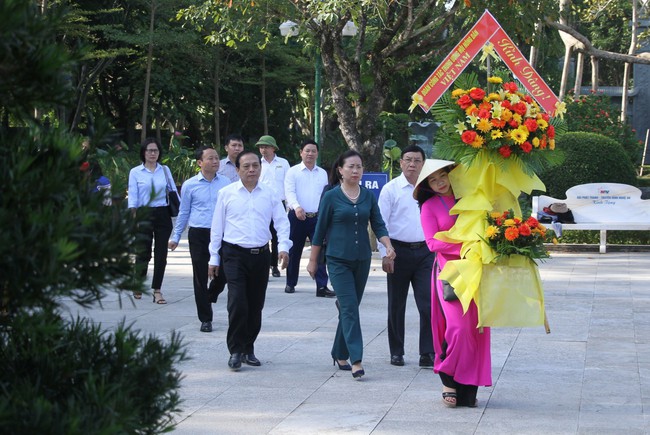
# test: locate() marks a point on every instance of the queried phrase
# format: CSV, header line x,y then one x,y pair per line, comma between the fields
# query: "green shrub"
x,y
594,113
589,158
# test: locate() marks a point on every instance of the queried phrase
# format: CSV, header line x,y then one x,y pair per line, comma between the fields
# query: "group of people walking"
x,y
249,215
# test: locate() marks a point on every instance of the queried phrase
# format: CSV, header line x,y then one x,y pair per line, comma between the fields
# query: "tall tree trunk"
x,y
594,73
265,115
147,80
628,66
217,99
565,7
580,67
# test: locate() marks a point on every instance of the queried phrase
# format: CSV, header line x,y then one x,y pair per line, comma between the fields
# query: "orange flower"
x,y
524,230
511,233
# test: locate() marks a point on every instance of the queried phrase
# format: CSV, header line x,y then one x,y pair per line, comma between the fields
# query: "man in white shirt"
x,y
303,187
234,144
413,262
240,229
274,169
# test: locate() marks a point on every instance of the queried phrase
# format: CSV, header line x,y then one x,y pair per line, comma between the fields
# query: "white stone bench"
x,y
602,206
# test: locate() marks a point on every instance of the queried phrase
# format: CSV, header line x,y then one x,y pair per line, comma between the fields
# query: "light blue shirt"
x,y
149,189
198,199
228,170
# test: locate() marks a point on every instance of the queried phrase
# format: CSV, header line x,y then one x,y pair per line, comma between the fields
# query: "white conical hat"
x,y
430,166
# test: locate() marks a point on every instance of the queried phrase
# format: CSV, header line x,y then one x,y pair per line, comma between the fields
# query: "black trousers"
x,y
274,245
412,267
465,394
157,227
299,231
204,296
248,277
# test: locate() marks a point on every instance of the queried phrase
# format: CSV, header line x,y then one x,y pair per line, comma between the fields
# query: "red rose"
x,y
464,102
485,114
468,136
530,124
520,108
526,147
545,117
524,230
506,104
510,87
532,222
505,151
514,124
477,93
551,132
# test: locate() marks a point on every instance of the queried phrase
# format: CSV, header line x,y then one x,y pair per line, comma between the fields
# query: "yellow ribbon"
x,y
489,184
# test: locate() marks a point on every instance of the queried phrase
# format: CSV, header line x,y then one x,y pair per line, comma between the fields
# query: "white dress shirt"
x,y
273,174
143,182
243,218
400,212
303,187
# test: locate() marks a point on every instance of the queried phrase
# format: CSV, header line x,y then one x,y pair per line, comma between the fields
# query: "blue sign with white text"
x,y
374,181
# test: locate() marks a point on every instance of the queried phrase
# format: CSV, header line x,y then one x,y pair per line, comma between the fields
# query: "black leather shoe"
x,y
275,272
251,360
206,326
289,289
235,361
324,292
397,360
426,360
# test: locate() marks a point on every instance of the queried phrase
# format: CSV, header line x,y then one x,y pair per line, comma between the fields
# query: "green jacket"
x,y
346,224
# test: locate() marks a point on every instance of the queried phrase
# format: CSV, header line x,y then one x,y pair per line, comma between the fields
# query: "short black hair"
x,y
413,149
231,137
143,148
198,154
309,142
243,153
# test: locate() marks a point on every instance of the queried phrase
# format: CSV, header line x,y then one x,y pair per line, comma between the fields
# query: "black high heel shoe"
x,y
358,373
346,367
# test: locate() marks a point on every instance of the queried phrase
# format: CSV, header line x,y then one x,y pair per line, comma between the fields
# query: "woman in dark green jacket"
x,y
343,216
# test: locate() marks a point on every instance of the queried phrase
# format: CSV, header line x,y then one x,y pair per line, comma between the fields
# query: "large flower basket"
x,y
511,293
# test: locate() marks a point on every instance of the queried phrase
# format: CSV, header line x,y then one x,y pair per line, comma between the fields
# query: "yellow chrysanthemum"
x,y
495,214
456,93
509,223
506,115
496,134
551,144
519,135
517,117
478,142
536,142
484,125
493,96
541,124
495,80
491,232
471,109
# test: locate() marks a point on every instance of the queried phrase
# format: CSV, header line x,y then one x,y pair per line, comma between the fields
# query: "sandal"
x,y
137,295
159,300
449,398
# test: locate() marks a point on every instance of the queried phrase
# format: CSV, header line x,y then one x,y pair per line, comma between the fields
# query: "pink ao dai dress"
x,y
467,354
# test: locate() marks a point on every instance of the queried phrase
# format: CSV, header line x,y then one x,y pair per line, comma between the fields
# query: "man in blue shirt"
x,y
198,198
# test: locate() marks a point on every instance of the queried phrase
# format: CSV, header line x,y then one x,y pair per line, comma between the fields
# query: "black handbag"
x,y
173,201
448,292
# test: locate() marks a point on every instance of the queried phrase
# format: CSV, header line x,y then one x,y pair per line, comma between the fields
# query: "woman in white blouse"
x,y
148,184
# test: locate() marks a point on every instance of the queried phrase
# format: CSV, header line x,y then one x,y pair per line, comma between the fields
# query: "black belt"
x,y
311,215
409,245
253,251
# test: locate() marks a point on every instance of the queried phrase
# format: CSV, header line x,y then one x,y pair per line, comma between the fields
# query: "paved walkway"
x,y
590,375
